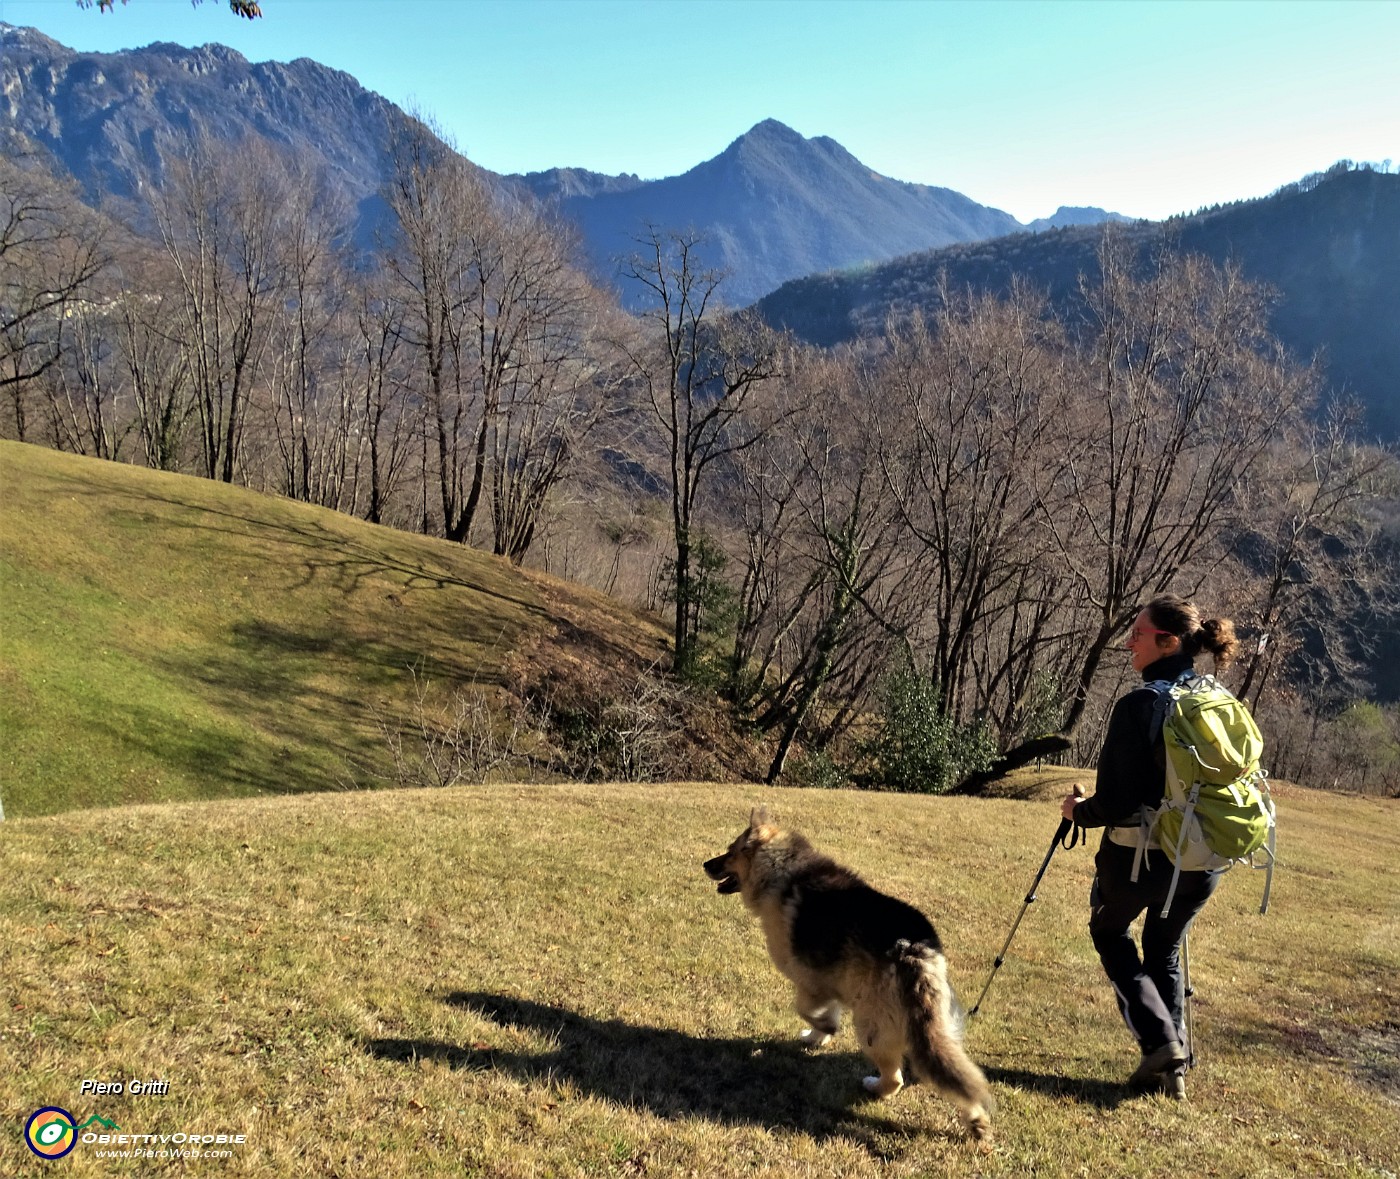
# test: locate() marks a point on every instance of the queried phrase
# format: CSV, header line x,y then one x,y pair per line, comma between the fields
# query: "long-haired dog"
x,y
844,944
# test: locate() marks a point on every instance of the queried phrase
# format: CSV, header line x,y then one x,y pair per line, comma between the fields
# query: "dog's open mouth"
x,y
716,871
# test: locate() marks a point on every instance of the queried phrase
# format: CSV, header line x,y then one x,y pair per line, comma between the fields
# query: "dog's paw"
x,y
881,1087
814,1038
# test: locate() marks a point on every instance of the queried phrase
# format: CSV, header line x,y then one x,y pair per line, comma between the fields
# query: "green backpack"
x,y
1216,809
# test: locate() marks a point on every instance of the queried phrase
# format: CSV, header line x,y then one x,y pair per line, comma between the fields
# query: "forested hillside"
x,y
1328,246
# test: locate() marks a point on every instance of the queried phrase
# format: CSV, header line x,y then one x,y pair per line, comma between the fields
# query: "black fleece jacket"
x,y
1132,768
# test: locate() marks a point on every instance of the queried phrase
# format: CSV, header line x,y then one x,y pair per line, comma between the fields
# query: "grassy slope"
x,y
534,980
167,638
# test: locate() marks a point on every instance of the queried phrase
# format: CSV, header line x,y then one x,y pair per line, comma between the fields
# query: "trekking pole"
x,y
1066,829
1186,992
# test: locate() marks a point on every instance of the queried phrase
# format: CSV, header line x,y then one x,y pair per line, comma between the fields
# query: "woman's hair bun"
x,y
1179,617
1218,637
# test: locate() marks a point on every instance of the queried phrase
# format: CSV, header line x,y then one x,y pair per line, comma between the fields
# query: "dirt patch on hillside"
x,y
603,672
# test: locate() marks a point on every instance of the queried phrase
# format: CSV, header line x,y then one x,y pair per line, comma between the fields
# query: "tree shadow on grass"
x,y
311,548
735,1082
320,706
1368,1054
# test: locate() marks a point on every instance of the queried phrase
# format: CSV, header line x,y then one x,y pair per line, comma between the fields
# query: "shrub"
x,y
469,735
626,736
919,749
816,770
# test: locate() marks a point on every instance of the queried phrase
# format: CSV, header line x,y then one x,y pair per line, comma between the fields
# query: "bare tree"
x,y
548,413
1308,547
87,388
970,403
543,365
497,315
157,367
313,409
701,371
221,220
437,198
51,250
821,564
1179,394
388,420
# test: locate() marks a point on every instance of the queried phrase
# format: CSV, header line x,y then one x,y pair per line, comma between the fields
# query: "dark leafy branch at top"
x,y
245,8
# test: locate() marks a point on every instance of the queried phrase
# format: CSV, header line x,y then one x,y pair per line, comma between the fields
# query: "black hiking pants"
x,y
1149,988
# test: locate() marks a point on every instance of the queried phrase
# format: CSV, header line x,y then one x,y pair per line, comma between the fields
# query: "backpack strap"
x,y
1160,708
1186,816
1144,836
1270,850
1180,843
1268,876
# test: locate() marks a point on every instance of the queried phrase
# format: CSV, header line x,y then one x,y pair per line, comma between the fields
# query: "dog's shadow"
x,y
778,1085
1103,1094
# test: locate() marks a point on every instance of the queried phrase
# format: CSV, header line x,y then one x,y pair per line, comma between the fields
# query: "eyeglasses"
x,y
1139,632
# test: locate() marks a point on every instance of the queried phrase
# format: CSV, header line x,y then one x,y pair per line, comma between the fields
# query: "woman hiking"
x,y
1164,641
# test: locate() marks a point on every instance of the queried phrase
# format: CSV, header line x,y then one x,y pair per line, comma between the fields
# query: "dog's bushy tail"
x,y
935,1034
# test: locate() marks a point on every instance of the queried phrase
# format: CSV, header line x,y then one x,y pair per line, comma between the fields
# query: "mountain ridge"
x,y
1067,215
110,120
835,211
773,205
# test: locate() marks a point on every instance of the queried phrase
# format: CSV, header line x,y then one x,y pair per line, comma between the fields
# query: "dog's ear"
x,y
761,828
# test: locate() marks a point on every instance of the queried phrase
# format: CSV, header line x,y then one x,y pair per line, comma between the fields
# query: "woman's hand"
x,y
1070,801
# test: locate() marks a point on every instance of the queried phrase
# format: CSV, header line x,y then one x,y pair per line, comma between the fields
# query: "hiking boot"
x,y
1156,1066
1174,1085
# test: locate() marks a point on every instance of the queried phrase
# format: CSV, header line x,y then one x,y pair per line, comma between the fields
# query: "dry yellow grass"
x,y
522,981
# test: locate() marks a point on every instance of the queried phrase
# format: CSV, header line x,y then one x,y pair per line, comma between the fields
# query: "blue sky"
x,y
1148,108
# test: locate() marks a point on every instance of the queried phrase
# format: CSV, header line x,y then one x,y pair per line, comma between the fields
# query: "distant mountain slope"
x,y
559,184
1067,215
110,119
1330,245
774,206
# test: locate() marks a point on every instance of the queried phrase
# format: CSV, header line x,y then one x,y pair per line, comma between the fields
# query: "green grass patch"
x,y
539,980
166,638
